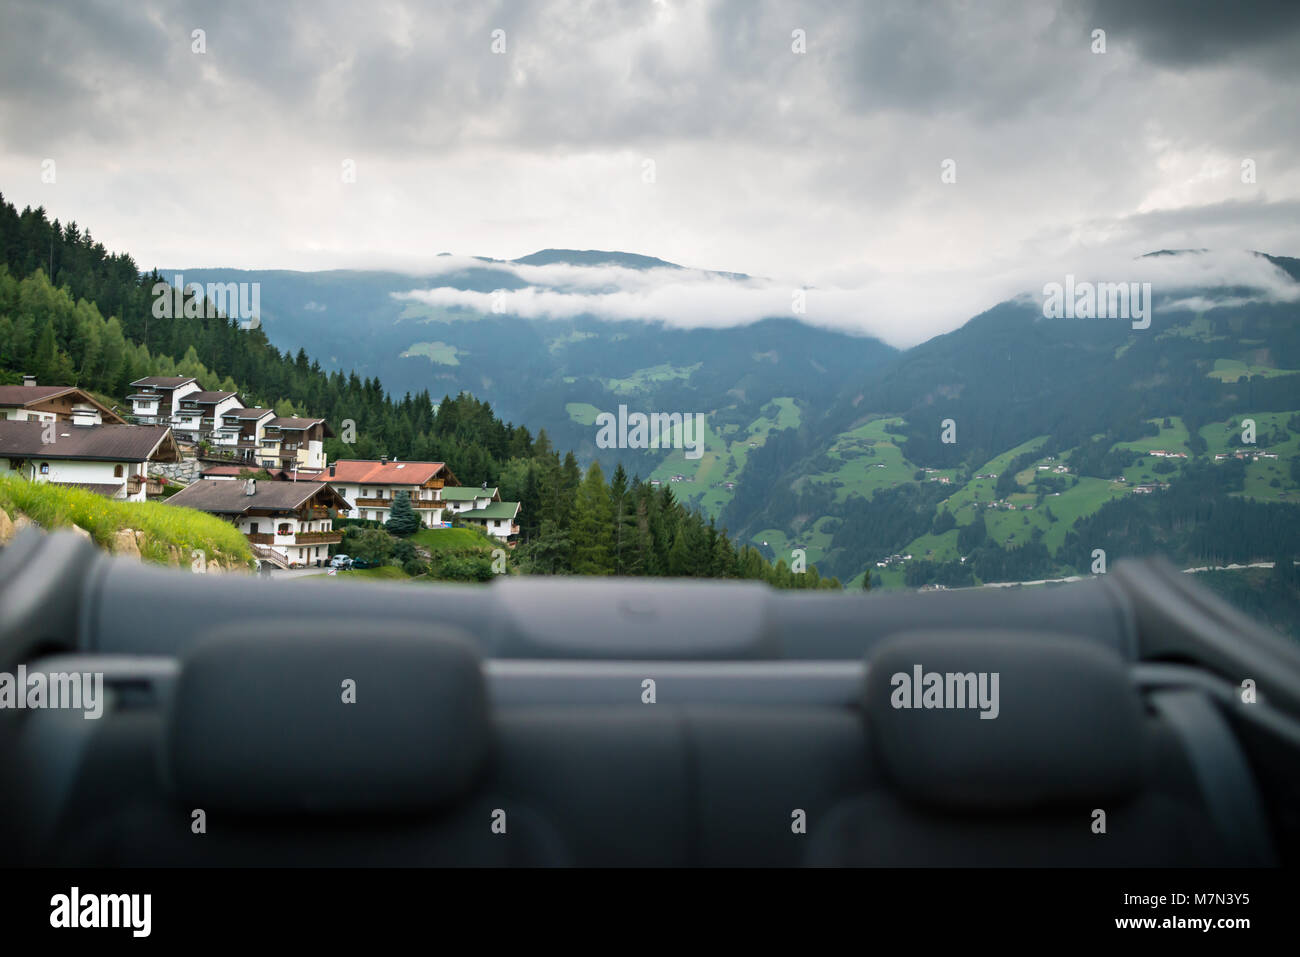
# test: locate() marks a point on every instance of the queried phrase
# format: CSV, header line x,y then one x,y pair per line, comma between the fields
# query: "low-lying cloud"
x,y
901,310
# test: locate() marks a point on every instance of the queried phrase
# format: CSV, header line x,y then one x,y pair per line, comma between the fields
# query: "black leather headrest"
x,y
258,721
1068,726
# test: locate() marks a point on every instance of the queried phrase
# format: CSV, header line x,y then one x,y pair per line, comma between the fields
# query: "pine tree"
x,y
592,528
866,580
626,556
402,519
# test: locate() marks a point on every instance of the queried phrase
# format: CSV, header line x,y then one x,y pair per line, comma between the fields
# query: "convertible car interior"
x,y
1129,720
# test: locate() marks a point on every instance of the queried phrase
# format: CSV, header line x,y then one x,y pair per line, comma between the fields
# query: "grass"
x,y
437,352
584,413
639,380
164,526
382,573
815,541
452,539
559,342
1172,439
1230,370
866,459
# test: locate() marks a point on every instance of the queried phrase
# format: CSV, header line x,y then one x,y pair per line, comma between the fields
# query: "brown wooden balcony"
x,y
318,538
260,538
387,502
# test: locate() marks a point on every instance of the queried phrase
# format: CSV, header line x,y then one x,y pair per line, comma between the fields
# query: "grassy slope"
x,y
856,454
452,539
164,526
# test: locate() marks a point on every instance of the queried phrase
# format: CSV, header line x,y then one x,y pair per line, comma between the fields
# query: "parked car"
x,y
364,563
341,561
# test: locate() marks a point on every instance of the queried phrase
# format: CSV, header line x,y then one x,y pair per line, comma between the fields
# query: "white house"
x,y
465,498
156,397
368,486
111,460
241,430
289,443
286,523
196,415
496,518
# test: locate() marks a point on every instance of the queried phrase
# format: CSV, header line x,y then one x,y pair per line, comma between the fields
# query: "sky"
x,y
909,164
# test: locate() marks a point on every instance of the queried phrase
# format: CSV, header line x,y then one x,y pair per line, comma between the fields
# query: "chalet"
x,y
496,518
287,523
54,403
288,442
157,396
465,498
240,431
369,487
196,415
111,460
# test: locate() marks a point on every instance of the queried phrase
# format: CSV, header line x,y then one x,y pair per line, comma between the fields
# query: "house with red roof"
x,y
368,486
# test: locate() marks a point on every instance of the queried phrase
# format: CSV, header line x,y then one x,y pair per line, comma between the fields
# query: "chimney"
x,y
29,379
331,470
250,486
383,460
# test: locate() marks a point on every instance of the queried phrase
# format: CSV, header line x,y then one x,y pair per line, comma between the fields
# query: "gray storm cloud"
x,y
819,169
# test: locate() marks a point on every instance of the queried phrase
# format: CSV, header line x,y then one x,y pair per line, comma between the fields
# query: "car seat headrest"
x,y
976,720
265,721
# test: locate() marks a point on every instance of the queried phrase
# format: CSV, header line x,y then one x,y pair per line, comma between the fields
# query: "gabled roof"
x,y
228,498
371,472
497,510
164,381
282,422
21,396
467,493
105,443
253,413
207,398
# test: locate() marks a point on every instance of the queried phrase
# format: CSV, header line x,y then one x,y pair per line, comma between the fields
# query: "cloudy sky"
x,y
690,131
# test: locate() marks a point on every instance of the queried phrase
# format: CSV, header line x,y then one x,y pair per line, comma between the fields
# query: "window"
x,y
45,468
284,529
117,471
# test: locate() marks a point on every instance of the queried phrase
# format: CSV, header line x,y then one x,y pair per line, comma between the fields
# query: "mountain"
x,y
1058,412
569,522
559,373
835,443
